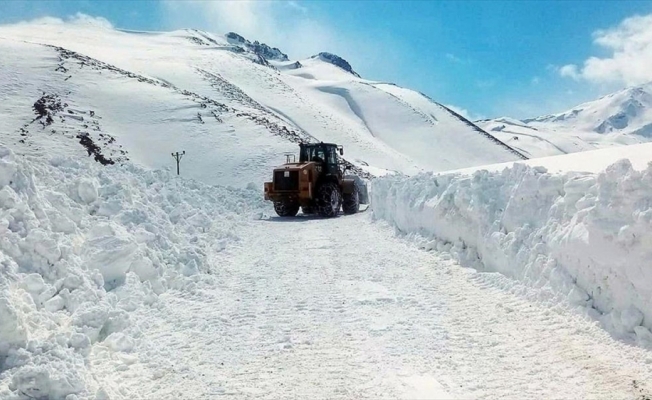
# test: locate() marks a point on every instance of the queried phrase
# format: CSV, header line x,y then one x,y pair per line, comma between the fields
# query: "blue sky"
x,y
491,58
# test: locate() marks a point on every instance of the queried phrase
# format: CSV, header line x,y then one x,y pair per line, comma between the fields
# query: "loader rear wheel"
x,y
329,200
284,209
351,203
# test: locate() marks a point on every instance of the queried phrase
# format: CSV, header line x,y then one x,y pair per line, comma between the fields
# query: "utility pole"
x,y
177,156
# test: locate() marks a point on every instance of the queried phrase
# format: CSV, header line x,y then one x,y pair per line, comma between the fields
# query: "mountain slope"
x,y
543,141
220,100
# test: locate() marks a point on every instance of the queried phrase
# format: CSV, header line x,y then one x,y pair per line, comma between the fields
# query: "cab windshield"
x,y
317,154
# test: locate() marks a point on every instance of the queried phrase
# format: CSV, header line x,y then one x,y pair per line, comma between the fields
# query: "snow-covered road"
x,y
341,308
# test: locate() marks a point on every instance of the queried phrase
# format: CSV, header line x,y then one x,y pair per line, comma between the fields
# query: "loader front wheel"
x,y
329,200
284,209
351,203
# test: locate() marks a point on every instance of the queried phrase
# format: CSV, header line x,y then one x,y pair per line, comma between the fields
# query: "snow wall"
x,y
585,236
83,246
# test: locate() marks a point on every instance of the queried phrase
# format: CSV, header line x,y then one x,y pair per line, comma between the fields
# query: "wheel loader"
x,y
316,184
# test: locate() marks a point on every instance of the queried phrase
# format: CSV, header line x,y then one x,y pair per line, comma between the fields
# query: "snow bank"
x,y
82,246
587,236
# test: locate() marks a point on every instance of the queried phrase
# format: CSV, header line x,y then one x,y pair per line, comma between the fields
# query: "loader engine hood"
x,y
288,177
295,167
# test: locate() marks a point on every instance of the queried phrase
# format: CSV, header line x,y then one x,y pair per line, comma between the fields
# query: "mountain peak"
x,y
337,61
260,49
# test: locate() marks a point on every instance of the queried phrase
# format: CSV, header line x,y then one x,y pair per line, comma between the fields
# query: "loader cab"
x,y
324,154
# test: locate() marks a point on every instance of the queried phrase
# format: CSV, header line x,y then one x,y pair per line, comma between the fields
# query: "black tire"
x,y
351,201
308,210
329,200
286,209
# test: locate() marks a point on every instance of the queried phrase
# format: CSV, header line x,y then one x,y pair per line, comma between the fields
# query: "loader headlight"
x,y
305,172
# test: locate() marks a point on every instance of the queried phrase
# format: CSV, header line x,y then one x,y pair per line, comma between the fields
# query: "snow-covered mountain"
x,y
620,118
233,105
628,111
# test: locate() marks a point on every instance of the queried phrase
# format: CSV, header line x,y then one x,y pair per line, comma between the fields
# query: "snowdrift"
x,y
81,247
586,236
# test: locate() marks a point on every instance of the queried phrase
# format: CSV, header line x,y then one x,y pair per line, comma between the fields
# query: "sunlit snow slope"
x,y
144,95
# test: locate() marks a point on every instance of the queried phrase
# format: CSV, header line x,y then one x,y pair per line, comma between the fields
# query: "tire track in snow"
x,y
310,308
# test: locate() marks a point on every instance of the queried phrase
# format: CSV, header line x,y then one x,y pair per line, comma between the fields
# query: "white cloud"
x,y
287,25
630,45
77,19
465,113
570,71
42,21
84,19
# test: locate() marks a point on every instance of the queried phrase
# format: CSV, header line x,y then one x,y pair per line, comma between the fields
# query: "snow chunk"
x,y
631,317
643,336
79,341
110,255
13,332
7,167
120,342
87,191
33,283
39,242
55,304
144,268
52,381
7,171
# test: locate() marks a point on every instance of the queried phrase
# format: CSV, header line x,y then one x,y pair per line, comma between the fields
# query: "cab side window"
x,y
318,155
332,156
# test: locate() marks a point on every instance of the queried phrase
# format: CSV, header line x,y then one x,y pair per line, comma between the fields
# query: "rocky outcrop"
x,y
260,49
337,61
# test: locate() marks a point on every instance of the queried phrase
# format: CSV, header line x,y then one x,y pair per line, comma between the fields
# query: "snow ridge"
x,y
82,247
585,236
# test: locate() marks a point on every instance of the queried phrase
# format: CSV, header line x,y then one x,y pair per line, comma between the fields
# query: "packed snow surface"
x,y
586,235
342,308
